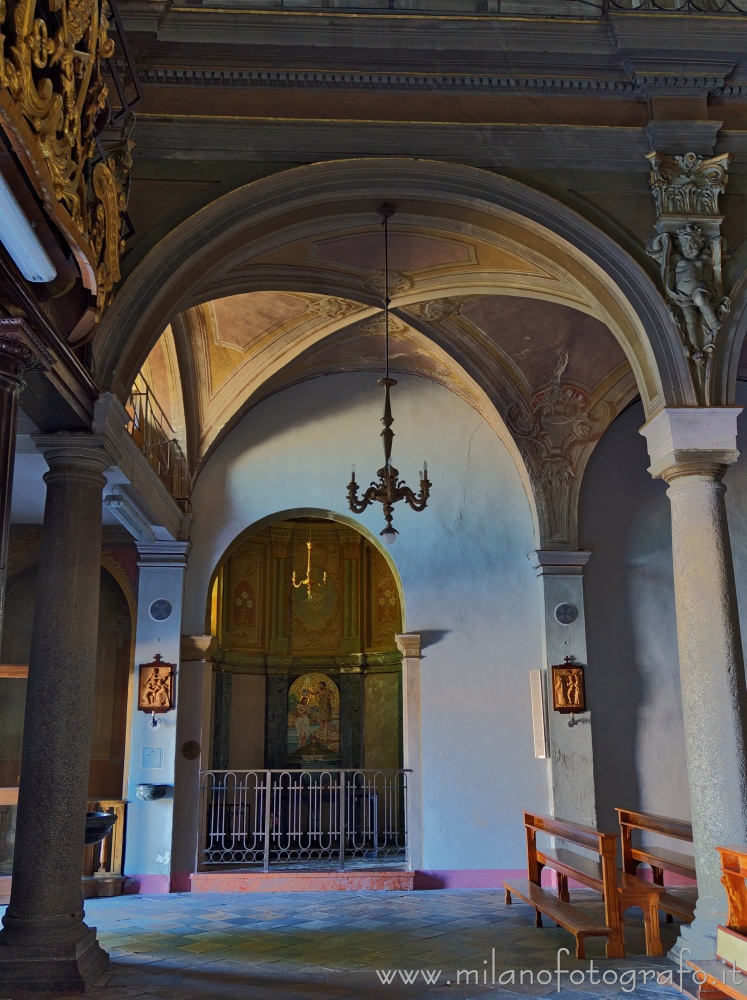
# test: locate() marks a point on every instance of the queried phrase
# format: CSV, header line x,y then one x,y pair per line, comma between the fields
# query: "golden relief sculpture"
x,y
52,101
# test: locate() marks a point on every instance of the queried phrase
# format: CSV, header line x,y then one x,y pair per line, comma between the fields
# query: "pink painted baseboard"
x,y
467,878
454,878
301,881
146,884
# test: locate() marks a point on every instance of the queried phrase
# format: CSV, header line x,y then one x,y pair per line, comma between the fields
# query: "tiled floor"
x,y
324,946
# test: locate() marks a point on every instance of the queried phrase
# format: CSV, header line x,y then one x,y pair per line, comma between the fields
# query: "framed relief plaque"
x,y
156,686
568,691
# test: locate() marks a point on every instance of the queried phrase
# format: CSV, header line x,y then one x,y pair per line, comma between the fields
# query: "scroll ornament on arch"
x,y
691,252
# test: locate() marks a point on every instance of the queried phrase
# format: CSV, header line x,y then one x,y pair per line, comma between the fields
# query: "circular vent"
x,y
566,614
160,610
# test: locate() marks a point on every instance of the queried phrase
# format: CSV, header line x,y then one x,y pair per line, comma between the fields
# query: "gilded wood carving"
x,y
53,102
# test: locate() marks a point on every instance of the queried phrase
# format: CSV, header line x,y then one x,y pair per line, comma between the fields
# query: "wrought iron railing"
x,y
329,819
151,430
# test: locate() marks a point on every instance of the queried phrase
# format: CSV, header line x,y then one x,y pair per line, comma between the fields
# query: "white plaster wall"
x,y
633,673
468,584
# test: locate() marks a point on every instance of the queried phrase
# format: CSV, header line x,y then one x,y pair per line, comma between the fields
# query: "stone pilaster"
x,y
45,945
195,693
412,742
691,449
161,568
19,352
571,773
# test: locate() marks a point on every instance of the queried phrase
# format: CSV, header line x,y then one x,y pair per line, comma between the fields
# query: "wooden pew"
x,y
619,890
724,976
659,858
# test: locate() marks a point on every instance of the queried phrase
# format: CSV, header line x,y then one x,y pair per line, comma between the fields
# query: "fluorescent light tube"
x,y
129,517
19,239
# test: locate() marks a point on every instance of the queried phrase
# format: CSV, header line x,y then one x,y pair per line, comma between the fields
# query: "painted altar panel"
x,y
313,720
246,603
385,614
317,614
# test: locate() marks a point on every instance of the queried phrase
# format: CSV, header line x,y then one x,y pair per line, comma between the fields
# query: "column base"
x,y
697,941
59,968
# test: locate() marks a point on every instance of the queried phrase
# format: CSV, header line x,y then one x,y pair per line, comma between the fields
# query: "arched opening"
x,y
298,603
306,736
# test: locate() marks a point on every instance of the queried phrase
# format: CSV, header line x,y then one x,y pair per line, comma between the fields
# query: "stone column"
x,y
45,945
195,698
571,775
691,450
18,353
148,862
412,742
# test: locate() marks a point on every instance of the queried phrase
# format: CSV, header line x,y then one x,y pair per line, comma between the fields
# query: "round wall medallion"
x,y
566,614
160,610
191,750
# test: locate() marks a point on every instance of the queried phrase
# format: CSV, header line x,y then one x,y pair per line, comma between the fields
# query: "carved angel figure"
x,y
692,282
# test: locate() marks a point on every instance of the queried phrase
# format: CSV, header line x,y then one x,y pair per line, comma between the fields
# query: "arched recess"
x,y
210,256
301,603
305,512
113,670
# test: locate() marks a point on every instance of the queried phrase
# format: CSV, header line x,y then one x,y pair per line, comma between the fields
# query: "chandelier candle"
x,y
389,490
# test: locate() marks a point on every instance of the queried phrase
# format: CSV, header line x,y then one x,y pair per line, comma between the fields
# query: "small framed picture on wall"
x,y
568,691
156,686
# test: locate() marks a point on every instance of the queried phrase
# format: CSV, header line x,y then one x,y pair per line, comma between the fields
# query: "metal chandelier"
x,y
389,490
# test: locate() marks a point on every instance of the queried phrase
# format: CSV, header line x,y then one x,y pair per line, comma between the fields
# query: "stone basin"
x,y
98,825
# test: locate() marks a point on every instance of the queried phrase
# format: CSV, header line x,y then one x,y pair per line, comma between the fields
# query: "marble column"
x,y
16,356
691,450
412,743
45,945
571,773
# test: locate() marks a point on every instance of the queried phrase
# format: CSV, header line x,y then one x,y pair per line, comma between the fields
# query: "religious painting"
x,y
568,692
313,720
156,686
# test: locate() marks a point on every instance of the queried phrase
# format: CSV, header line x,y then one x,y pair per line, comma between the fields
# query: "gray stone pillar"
x,y
44,944
691,449
571,774
412,743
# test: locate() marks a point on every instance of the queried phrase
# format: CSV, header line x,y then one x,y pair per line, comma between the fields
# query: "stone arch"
x,y
201,258
729,346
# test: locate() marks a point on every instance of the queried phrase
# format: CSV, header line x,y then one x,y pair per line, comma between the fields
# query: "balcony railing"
x,y
525,8
306,819
151,430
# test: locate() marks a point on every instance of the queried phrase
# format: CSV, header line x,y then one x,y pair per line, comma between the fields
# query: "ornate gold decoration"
x,y
52,102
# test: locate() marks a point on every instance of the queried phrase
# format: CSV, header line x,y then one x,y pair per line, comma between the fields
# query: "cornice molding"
x,y
330,79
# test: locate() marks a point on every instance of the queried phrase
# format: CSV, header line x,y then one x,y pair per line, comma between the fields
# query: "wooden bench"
x,y
724,976
619,890
659,858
